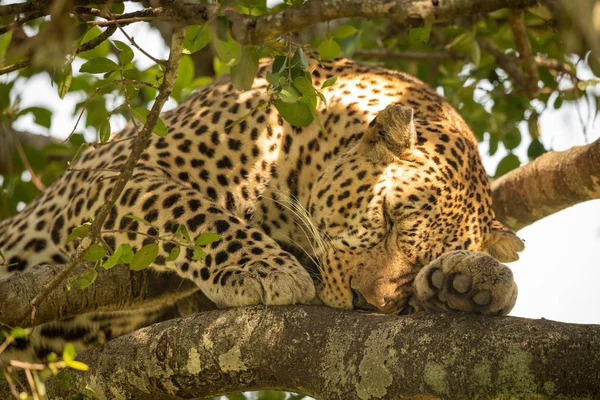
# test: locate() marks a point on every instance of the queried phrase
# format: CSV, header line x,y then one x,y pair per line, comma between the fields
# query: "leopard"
x,y
383,206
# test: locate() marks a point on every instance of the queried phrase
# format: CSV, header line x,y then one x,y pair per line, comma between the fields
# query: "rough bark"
x,y
333,354
115,289
552,182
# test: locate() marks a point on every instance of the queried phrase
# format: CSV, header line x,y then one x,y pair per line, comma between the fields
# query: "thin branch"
x,y
21,21
552,182
89,45
409,55
528,64
15,67
43,5
34,178
506,62
126,173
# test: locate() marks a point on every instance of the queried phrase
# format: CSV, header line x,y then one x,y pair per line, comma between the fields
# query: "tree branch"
x,y
114,289
528,64
126,173
334,354
552,182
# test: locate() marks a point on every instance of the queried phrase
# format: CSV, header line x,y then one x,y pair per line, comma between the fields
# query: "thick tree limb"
x,y
115,289
552,182
253,30
332,354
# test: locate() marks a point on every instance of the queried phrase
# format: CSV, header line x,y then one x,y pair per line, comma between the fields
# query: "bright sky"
x,y
558,272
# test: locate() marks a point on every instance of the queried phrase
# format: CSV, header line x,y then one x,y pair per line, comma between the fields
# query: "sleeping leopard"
x,y
387,208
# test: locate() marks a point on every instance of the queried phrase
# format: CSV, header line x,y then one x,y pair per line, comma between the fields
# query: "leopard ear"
x,y
392,130
503,244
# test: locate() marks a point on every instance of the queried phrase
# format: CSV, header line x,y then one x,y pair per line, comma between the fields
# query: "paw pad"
x,y
483,298
462,283
437,278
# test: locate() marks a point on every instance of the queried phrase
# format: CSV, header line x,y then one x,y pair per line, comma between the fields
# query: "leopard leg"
x,y
465,281
245,267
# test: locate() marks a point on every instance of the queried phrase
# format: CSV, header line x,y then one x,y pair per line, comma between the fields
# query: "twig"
x,y
11,385
21,21
34,178
89,45
126,171
14,67
528,64
144,52
507,63
409,55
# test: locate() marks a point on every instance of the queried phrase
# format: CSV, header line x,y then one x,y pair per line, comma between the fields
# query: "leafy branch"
x,y
126,172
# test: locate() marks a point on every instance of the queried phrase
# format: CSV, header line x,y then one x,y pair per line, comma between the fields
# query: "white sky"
x,y
558,272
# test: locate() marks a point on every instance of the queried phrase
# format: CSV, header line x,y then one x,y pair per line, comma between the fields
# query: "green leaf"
x,y
104,131
272,78
123,255
304,85
196,38
41,115
228,50
80,231
132,74
144,257
507,164
86,278
94,253
289,94
18,333
296,114
279,63
475,53
126,54
141,114
4,43
460,39
329,82
207,238
138,219
199,254
345,31
99,65
420,34
535,149
299,59
65,81
182,234
512,139
175,251
243,73
329,49
69,352
78,365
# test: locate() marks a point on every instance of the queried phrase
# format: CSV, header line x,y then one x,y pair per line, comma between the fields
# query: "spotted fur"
x,y
367,213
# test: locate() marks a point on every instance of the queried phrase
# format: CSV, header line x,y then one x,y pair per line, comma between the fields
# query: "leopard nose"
x,y
360,303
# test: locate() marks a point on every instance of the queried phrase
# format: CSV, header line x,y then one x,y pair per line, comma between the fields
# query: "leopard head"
x,y
394,202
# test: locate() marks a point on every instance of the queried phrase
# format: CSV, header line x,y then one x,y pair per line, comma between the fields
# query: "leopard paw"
x,y
261,282
466,281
